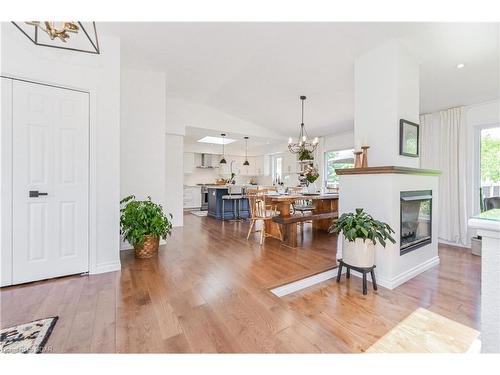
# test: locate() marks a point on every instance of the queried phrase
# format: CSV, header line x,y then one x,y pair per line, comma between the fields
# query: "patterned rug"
x,y
27,338
200,213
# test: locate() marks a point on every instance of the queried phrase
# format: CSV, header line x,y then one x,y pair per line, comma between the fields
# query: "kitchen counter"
x,y
487,225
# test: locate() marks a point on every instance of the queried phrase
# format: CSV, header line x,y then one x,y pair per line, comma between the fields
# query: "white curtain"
x,y
443,147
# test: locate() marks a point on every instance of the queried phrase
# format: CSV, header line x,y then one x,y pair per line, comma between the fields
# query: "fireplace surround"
x,y
415,220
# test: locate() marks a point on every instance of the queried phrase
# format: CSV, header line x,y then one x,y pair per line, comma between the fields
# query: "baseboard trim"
x,y
456,244
306,282
411,273
106,267
402,277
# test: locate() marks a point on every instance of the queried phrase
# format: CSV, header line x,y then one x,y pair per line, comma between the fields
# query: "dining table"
x,y
325,209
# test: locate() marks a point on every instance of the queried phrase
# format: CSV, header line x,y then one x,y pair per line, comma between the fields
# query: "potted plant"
x,y
305,154
361,233
142,224
311,174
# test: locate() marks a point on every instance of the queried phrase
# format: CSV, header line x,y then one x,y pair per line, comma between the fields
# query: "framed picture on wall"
x,y
408,138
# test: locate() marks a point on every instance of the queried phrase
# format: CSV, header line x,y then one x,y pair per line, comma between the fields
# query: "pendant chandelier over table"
x,y
303,142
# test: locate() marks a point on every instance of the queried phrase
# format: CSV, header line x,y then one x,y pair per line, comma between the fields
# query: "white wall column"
x,y
386,90
386,83
174,177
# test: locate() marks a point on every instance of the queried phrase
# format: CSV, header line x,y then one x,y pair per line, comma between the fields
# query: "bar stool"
x,y
235,195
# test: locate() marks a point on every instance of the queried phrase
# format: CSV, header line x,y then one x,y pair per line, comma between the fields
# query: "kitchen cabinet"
x,y
189,162
192,197
215,160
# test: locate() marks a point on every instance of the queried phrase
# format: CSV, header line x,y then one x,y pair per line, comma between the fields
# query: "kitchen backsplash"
x,y
208,176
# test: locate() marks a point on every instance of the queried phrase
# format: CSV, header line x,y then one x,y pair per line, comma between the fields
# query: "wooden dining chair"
x,y
259,212
301,206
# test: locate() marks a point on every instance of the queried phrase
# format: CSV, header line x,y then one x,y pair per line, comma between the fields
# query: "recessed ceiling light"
x,y
216,140
460,66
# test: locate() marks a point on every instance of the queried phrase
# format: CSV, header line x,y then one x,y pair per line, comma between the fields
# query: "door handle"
x,y
36,194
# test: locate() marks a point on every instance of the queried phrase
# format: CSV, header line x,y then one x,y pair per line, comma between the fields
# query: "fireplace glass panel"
x,y
416,220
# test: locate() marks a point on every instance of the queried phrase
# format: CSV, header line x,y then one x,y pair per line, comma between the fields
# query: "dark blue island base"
x,y
230,206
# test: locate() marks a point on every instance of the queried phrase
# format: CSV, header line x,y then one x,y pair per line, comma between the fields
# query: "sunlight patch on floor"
x,y
426,332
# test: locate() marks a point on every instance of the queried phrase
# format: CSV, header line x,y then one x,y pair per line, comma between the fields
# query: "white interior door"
x,y
50,182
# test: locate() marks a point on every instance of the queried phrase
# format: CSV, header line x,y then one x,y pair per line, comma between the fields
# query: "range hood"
x,y
204,161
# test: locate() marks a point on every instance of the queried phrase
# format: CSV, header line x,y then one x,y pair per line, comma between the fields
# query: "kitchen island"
x,y
215,194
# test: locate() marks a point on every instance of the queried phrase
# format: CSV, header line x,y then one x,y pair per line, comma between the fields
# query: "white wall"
x,y
142,132
182,113
99,75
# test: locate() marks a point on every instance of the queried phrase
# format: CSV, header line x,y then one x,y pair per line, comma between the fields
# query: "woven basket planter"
x,y
149,247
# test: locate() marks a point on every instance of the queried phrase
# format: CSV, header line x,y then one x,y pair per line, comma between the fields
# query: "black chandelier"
x,y
246,163
304,142
223,160
74,36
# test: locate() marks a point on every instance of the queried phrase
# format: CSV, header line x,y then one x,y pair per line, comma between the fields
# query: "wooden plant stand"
x,y
363,270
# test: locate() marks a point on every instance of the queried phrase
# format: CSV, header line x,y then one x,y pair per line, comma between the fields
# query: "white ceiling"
x,y
256,71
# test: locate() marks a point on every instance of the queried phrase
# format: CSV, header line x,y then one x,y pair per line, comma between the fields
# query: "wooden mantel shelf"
x,y
388,169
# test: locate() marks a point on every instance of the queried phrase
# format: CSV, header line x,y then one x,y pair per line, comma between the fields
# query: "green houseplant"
x,y
305,154
361,233
142,224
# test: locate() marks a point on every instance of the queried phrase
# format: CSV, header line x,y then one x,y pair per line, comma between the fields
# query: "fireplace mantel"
x,y
388,169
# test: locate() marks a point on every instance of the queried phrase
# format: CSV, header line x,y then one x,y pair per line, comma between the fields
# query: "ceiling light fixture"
x,y
216,140
223,160
460,66
68,35
246,152
303,143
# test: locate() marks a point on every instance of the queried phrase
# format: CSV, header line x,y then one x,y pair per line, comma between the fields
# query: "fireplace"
x,y
416,220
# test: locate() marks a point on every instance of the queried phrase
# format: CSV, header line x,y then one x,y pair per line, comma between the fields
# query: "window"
x,y
335,160
489,162
278,169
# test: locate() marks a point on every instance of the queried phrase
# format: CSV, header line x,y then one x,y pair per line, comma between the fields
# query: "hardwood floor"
x,y
208,291
451,289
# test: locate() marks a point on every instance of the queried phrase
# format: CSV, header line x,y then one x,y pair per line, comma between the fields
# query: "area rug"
x,y
424,331
27,338
200,213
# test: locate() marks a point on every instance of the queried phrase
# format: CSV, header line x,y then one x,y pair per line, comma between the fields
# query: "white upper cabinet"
x,y
189,162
